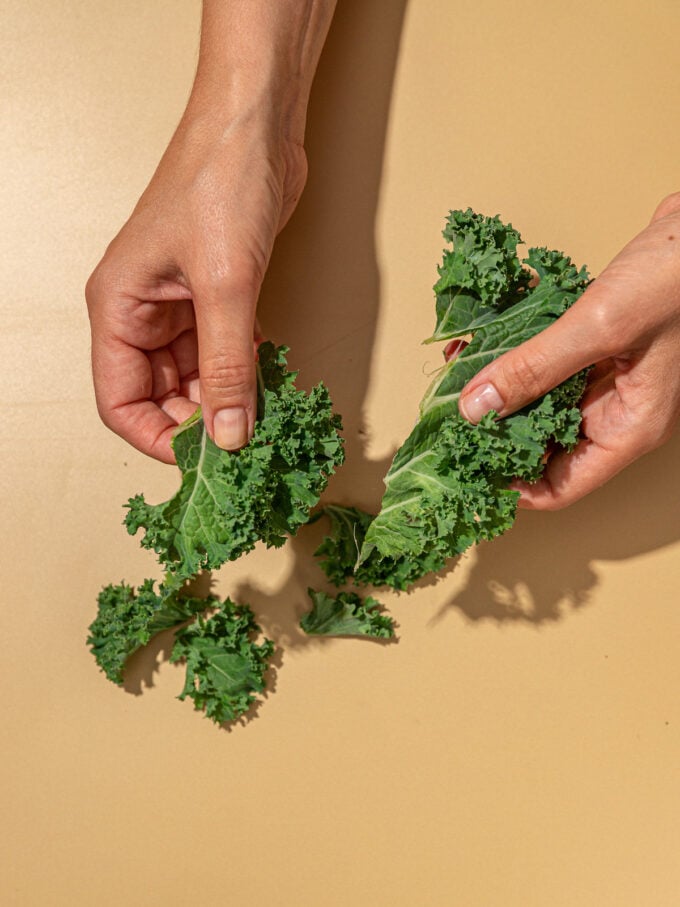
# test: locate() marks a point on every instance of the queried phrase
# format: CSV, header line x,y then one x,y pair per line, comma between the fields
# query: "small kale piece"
x,y
339,554
127,619
447,487
346,615
228,501
224,667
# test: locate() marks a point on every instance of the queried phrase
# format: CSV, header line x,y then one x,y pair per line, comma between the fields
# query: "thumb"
x,y
225,324
537,366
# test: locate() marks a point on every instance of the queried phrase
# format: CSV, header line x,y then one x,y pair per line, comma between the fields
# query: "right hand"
x,y
172,303
626,325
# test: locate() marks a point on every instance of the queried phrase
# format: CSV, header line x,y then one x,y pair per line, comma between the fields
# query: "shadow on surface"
x,y
322,290
544,566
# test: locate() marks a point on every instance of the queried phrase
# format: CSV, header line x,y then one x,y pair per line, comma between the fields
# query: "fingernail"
x,y
481,401
230,426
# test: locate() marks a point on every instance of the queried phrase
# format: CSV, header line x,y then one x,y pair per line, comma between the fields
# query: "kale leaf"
x,y
127,619
447,487
224,666
229,501
346,615
480,276
339,554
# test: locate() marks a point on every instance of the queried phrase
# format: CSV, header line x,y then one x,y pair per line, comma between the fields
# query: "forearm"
x,y
257,56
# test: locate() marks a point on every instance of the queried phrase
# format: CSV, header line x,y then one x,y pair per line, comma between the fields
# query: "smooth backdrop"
x,y
519,746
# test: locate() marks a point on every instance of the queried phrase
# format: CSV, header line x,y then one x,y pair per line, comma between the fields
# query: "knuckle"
x,y
669,205
524,375
233,281
101,284
229,380
94,286
297,170
606,326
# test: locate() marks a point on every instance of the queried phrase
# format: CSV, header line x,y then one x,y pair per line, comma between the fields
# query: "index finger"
x,y
123,382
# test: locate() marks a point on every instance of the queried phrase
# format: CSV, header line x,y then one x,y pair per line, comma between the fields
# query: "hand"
x,y
175,295
172,304
626,325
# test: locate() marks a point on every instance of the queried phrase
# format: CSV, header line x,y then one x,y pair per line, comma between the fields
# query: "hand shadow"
x,y
546,564
322,290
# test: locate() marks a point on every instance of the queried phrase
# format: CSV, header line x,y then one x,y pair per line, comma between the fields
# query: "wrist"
x,y
257,61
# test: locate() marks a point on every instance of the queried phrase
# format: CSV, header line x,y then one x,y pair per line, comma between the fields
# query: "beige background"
x,y
520,744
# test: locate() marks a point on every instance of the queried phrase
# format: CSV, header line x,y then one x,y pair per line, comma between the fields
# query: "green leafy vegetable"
x,y
480,276
447,487
229,501
339,551
339,554
224,667
346,615
126,621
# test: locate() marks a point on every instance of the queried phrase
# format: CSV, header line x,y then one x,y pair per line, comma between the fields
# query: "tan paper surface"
x,y
520,744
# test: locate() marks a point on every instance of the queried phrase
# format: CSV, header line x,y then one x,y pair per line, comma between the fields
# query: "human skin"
x,y
172,303
627,326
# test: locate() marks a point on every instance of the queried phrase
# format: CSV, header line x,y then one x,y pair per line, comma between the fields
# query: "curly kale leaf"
x,y
346,615
224,667
447,487
340,550
479,276
229,501
127,619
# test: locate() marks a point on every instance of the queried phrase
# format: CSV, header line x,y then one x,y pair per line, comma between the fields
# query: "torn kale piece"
x,y
225,667
346,615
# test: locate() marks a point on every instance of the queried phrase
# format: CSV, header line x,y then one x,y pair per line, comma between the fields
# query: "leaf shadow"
x,y
142,666
546,566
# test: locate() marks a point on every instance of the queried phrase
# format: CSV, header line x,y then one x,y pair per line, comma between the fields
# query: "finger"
x,y
573,342
571,476
185,353
170,393
225,315
179,408
123,379
618,428
164,374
